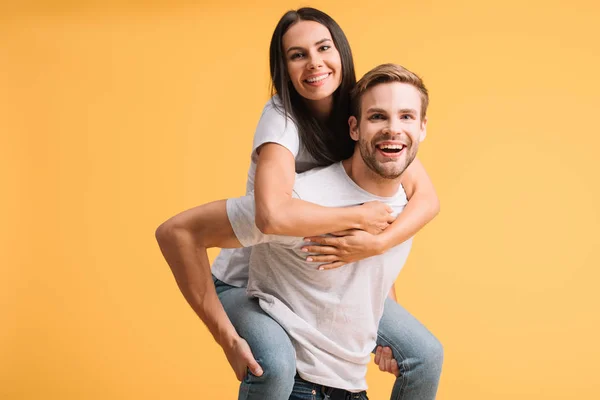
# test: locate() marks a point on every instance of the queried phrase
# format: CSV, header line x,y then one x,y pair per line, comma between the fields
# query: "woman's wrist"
x,y
383,242
357,216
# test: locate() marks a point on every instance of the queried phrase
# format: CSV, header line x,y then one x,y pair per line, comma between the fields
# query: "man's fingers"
x,y
320,249
387,353
377,355
240,375
388,362
394,368
388,365
255,368
333,265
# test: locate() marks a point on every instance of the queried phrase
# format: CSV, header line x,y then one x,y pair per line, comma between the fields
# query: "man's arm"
x,y
183,240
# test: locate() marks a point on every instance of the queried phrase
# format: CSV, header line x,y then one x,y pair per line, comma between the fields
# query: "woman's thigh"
x,y
407,337
269,342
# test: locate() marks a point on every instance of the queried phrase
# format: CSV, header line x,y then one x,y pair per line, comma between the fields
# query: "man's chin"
x,y
390,173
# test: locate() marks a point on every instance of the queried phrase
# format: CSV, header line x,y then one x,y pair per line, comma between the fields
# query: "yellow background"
x,y
114,117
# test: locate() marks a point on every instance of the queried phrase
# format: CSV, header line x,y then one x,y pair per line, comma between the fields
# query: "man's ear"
x,y
352,121
423,130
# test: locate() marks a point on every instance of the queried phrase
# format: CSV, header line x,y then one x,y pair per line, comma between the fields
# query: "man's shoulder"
x,y
309,181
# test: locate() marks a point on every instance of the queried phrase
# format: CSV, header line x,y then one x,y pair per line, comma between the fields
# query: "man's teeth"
x,y
391,147
317,79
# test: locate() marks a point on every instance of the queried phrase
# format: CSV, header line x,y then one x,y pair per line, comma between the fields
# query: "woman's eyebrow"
x,y
316,44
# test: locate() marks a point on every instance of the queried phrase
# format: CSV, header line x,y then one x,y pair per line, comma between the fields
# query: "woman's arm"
x,y
280,214
422,207
351,246
183,240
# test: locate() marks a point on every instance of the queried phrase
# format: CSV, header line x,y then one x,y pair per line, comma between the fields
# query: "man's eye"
x,y
407,116
296,56
376,116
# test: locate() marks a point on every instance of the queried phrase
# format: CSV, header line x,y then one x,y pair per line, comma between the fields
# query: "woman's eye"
x,y
296,56
324,47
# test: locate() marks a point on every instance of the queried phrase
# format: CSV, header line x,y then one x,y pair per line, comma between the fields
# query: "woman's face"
x,y
313,63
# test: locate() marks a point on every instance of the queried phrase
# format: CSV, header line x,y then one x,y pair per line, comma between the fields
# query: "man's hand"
x,y
345,247
241,359
386,361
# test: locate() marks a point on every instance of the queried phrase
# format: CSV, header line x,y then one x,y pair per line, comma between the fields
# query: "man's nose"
x,y
394,127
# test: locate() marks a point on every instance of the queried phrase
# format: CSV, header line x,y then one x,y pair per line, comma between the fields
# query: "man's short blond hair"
x,y
387,73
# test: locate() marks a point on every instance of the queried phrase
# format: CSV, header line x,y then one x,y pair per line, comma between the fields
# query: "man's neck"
x,y
368,179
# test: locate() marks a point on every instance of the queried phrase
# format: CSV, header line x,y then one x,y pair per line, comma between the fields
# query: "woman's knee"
x,y
279,363
431,356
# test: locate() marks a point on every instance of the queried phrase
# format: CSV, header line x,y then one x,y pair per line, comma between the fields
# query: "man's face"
x,y
390,128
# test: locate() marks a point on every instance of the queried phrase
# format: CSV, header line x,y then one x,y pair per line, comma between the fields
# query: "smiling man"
x,y
331,316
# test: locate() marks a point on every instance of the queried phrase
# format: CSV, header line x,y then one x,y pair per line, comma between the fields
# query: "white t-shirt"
x,y
331,316
231,265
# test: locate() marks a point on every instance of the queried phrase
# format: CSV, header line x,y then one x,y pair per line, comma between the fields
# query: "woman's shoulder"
x,y
274,113
274,106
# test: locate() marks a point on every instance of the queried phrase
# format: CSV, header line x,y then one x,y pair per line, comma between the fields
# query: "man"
x,y
331,316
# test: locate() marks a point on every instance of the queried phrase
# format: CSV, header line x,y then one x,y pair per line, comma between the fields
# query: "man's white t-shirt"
x,y
231,265
331,316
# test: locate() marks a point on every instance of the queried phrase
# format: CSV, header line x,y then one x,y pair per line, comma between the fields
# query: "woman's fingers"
x,y
333,265
322,240
323,259
320,249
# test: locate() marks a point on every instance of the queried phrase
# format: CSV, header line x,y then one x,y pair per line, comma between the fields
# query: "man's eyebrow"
x,y
407,111
376,109
400,111
316,44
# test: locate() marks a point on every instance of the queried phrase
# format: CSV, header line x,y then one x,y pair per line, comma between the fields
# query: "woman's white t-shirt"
x,y
231,265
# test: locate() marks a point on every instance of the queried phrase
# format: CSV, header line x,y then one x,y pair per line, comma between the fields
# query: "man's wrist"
x,y
228,338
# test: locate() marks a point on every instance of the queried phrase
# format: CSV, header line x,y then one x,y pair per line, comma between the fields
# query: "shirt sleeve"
x,y
275,127
241,214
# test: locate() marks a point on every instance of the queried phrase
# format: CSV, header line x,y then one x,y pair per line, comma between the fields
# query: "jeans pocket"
x,y
303,390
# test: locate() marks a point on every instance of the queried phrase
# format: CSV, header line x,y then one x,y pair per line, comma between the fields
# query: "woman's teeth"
x,y
317,78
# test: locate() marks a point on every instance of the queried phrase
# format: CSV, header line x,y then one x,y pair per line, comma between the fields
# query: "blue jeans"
x,y
418,353
304,390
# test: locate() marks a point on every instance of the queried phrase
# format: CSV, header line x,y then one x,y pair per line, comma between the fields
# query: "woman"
x,y
303,126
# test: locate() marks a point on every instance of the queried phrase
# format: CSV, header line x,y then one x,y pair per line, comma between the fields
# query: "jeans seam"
x,y
404,369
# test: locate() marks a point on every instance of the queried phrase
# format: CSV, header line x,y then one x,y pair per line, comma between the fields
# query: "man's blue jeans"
x,y
418,353
304,390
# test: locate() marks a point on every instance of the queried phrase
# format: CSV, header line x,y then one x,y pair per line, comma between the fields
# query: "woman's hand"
x,y
343,248
376,216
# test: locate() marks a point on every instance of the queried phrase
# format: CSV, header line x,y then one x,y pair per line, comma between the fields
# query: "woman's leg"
x,y
418,353
270,345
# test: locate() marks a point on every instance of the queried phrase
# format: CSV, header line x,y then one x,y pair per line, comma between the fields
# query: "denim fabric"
x,y
304,390
270,345
418,353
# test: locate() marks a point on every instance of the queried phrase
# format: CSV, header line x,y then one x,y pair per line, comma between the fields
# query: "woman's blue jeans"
x,y
418,353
